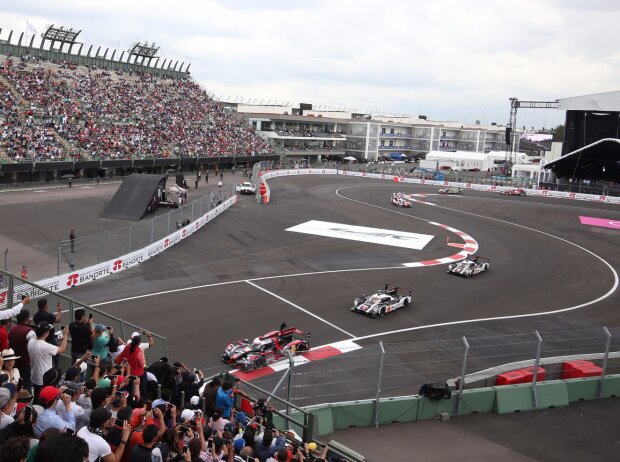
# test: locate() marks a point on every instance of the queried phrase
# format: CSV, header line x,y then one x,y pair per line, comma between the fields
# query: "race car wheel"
x,y
406,302
382,311
469,273
258,363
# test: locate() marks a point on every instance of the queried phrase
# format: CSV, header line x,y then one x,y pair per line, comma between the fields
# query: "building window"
x,y
391,143
382,143
391,131
383,131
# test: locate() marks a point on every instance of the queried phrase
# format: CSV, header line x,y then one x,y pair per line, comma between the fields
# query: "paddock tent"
x,y
461,160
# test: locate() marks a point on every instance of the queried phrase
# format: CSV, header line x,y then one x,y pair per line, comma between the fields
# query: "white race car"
x,y
245,188
399,200
469,267
382,302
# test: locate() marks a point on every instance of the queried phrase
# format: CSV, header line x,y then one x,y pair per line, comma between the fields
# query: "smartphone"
x,y
93,357
132,377
27,413
119,394
90,316
184,429
20,384
70,392
70,431
108,327
209,443
149,406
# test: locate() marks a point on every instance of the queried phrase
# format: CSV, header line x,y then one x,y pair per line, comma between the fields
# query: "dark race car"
x,y
266,349
382,302
451,191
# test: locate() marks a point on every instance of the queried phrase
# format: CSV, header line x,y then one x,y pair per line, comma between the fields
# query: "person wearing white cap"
x,y
8,365
143,345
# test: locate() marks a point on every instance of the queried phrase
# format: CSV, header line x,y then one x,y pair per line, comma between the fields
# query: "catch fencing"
x,y
386,370
12,288
97,248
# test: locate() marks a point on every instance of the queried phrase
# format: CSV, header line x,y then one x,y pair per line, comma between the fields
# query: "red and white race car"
x,y
399,200
266,349
513,192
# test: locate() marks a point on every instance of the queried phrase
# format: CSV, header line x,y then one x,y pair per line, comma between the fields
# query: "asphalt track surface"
x,y
244,274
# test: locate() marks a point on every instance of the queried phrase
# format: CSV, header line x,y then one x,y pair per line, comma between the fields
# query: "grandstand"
x,y
59,107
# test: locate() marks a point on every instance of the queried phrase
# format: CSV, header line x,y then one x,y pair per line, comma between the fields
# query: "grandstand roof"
x,y
296,118
609,101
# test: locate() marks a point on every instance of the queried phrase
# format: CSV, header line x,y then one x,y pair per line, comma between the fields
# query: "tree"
x,y
558,133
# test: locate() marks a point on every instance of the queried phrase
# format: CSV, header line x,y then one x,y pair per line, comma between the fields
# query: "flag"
x,y
30,28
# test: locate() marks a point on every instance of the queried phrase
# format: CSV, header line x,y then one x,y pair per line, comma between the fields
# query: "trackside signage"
x,y
116,265
364,234
477,187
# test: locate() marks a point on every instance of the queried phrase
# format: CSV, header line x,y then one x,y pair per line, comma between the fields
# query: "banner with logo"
x,y
116,265
476,187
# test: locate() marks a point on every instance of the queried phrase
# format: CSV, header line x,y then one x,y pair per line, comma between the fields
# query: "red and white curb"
x,y
321,352
469,246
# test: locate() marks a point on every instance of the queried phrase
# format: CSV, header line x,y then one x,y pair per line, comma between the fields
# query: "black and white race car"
x,y
245,188
400,200
383,301
469,267
450,191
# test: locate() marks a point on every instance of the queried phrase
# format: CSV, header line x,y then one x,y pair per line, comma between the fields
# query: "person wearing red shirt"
x,y
135,358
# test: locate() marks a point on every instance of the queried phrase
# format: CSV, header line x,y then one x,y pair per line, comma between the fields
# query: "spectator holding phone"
x,y
81,331
101,339
98,447
41,354
48,398
44,315
23,426
135,358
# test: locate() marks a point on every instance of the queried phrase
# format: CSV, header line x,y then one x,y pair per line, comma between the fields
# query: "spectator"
x,y
62,448
265,449
44,315
142,452
225,399
72,233
22,426
19,336
8,314
209,393
41,354
8,397
8,366
135,358
4,334
50,417
81,331
217,422
15,450
98,448
101,340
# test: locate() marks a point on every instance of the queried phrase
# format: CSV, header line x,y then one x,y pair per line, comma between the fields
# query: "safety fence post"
x,y
168,224
130,234
379,377
463,372
536,364
192,212
153,229
9,298
58,262
605,358
6,252
289,392
100,246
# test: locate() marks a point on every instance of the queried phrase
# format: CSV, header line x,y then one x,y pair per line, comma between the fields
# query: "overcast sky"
x,y
447,59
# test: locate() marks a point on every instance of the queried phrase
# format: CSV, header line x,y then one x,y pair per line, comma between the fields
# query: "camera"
x,y
70,392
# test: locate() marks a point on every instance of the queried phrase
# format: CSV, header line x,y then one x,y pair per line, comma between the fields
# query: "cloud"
x,y
448,59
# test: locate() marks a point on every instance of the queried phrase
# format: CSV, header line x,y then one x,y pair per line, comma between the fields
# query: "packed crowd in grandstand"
x,y
111,406
52,111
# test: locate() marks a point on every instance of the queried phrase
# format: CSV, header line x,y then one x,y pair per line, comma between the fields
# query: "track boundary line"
x,y
325,321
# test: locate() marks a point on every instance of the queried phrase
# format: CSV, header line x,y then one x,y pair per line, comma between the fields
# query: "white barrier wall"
x,y
476,187
116,265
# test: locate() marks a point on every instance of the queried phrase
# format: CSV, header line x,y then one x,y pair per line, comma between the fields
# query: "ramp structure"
x,y
133,197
